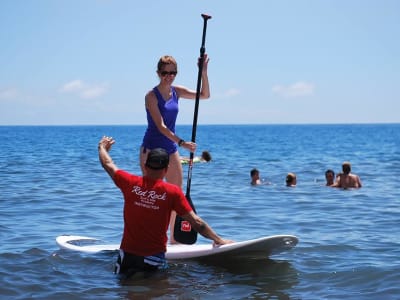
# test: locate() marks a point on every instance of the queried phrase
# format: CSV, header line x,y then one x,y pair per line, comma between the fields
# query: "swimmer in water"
x,y
255,177
291,180
346,179
205,157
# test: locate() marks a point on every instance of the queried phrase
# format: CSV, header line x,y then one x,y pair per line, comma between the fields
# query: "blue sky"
x,y
271,62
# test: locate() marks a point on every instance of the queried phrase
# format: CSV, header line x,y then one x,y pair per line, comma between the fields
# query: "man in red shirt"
x,y
149,201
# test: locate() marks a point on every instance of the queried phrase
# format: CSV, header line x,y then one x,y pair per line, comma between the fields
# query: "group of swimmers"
x,y
344,180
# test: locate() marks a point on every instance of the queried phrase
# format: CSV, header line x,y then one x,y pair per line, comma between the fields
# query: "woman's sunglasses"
x,y
165,73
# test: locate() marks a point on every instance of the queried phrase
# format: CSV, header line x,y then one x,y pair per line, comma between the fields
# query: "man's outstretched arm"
x,y
105,158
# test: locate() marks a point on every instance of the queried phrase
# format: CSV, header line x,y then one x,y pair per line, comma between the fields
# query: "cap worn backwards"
x,y
157,159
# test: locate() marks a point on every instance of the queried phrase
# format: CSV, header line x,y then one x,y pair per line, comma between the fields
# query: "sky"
x,y
91,62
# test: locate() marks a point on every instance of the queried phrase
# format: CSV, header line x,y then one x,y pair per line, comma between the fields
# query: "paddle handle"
x,y
198,89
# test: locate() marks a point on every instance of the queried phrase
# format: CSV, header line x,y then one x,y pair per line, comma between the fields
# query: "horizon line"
x,y
207,124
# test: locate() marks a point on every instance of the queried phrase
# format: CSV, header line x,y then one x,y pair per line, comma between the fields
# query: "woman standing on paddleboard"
x,y
162,110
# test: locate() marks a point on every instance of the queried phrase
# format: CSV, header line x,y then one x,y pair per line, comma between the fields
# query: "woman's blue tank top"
x,y
169,109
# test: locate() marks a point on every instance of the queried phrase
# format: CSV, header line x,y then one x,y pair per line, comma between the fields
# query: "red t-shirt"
x,y
147,210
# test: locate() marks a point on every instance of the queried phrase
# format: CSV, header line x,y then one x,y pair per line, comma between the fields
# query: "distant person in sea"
x,y
346,179
148,203
255,177
291,180
330,177
162,110
205,157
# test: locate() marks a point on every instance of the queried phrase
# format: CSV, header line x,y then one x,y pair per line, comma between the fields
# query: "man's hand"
x,y
105,158
106,142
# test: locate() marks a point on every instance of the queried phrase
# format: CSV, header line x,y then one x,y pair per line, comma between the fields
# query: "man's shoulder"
x,y
353,176
124,175
122,172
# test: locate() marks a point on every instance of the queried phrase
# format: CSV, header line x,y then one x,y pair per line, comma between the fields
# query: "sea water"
x,y
51,183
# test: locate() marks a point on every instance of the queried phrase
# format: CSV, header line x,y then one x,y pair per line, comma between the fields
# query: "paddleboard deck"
x,y
260,247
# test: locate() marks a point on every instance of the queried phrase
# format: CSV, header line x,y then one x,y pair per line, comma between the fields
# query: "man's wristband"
x,y
180,143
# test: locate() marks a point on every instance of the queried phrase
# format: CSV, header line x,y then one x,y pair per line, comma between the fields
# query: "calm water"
x,y
51,184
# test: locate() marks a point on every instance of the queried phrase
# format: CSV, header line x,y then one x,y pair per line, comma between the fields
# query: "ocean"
x,y
51,183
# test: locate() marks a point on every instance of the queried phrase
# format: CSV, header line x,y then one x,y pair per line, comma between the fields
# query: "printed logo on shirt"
x,y
185,226
148,198
151,195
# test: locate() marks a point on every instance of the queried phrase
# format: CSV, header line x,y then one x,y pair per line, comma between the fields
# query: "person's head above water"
x,y
255,176
206,156
330,177
291,179
346,167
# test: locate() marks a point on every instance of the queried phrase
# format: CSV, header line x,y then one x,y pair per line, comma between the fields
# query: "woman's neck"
x,y
164,88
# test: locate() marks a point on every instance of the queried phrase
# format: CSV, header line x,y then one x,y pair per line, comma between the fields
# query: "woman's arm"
x,y
186,93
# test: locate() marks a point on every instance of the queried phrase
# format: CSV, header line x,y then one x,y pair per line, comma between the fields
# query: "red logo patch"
x,y
185,226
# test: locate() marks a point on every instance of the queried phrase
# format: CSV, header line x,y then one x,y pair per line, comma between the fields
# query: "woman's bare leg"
x,y
174,176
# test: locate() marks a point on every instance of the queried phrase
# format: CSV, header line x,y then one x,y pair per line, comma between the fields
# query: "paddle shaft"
x,y
183,232
196,106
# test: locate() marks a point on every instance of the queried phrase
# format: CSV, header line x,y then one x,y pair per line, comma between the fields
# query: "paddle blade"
x,y
183,231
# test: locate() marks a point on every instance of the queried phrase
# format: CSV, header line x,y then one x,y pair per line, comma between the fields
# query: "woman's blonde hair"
x,y
166,60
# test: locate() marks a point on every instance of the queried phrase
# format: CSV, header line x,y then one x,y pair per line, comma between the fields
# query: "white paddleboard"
x,y
260,247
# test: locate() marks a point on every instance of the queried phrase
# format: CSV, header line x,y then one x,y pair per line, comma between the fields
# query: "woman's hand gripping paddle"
x,y
183,232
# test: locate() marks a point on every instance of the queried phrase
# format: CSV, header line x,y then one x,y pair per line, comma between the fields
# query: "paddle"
x,y
183,232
